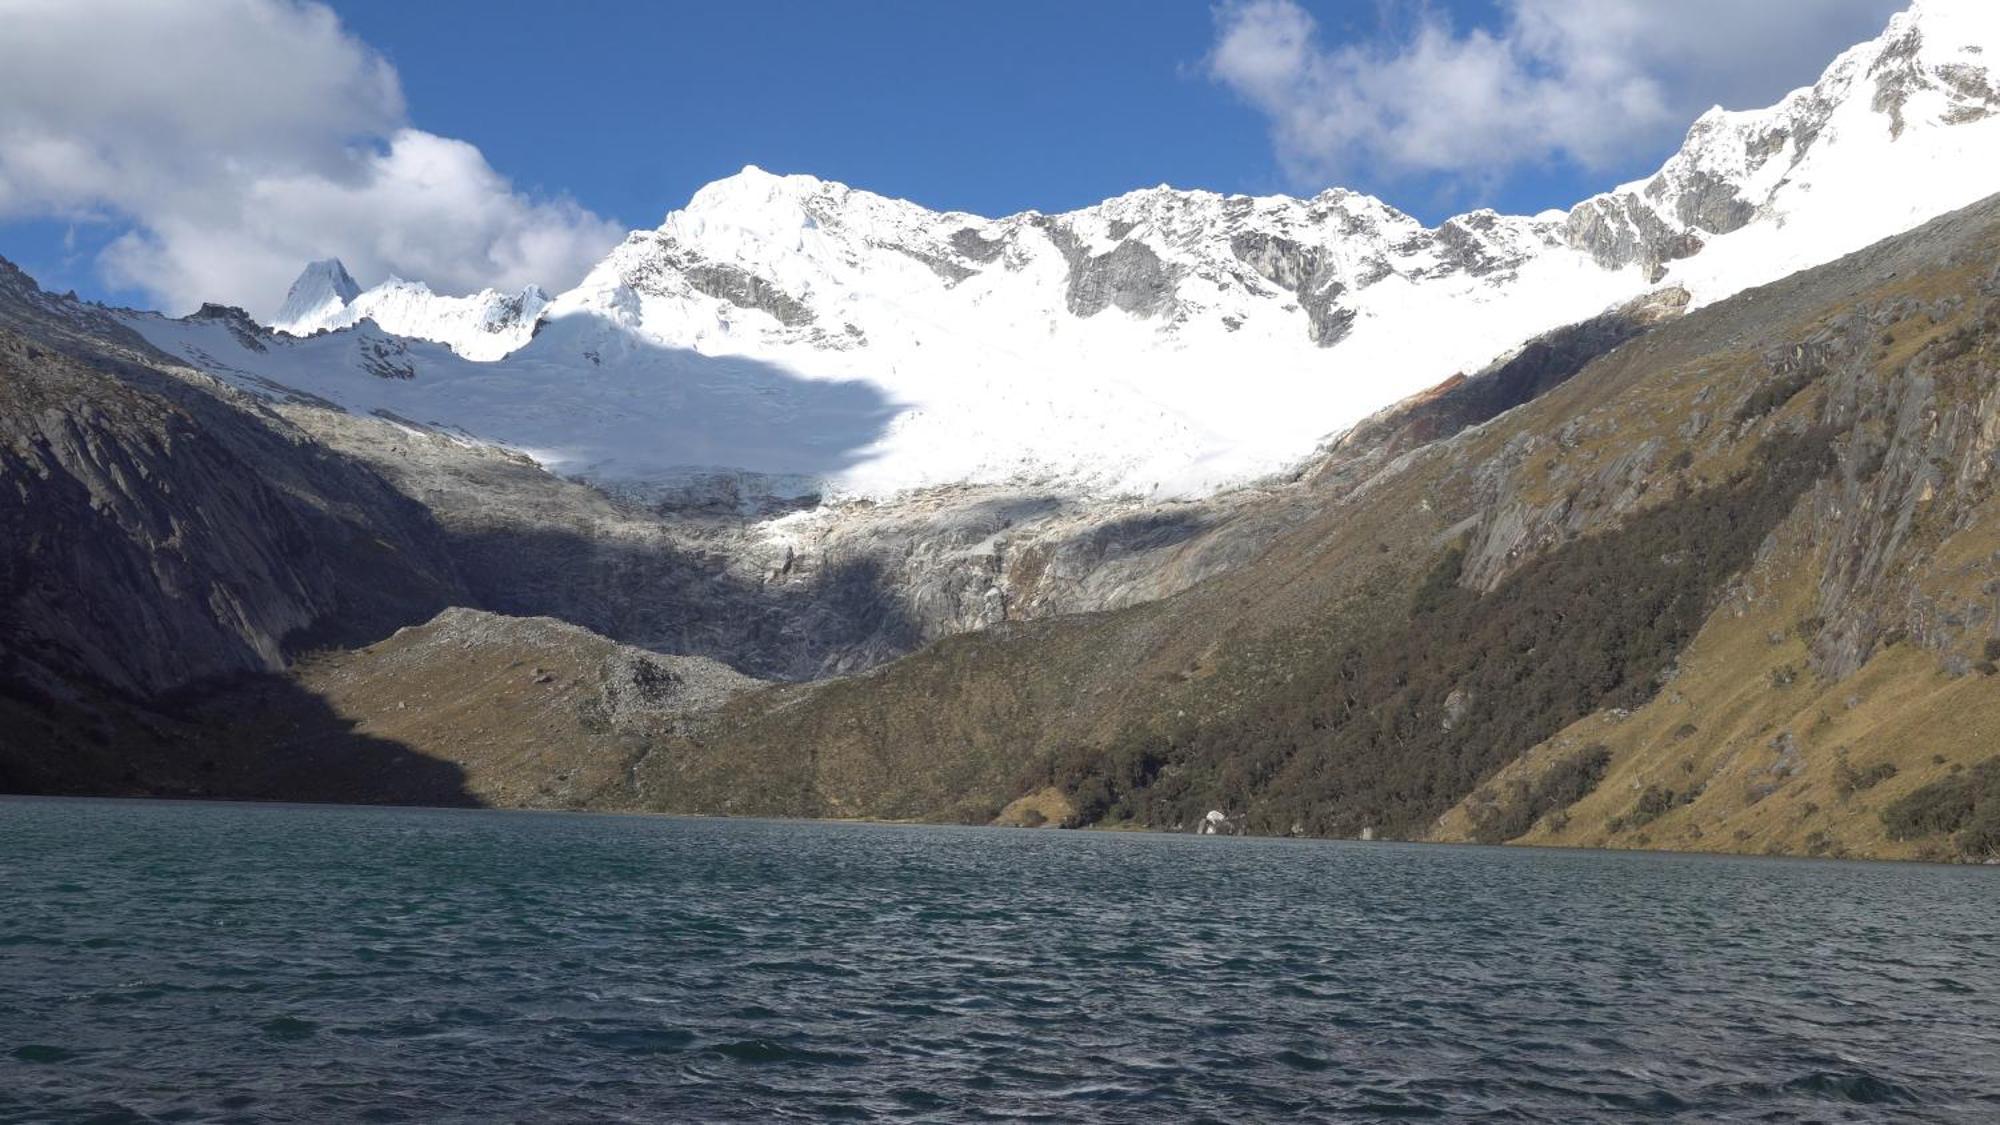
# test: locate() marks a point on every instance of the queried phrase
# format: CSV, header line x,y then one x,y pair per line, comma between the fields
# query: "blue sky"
x,y
991,109
578,122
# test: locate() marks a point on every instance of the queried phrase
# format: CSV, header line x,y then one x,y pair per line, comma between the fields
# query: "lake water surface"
x,y
171,961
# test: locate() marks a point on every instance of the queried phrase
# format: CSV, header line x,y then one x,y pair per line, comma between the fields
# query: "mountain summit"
x,y
483,326
322,289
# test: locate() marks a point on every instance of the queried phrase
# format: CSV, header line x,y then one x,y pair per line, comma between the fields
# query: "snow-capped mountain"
x,y
805,334
322,290
484,326
1897,131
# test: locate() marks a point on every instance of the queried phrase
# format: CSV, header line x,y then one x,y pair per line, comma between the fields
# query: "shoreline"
x,y
1086,831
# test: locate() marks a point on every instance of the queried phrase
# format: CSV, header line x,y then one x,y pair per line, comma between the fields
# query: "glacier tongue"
x,y
789,329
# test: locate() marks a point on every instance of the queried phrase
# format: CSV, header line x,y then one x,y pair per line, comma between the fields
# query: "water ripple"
x,y
164,961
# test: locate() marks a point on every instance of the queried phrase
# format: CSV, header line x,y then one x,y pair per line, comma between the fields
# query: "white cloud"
x,y
1597,82
240,138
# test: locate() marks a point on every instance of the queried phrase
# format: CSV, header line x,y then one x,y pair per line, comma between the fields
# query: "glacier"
x,y
807,339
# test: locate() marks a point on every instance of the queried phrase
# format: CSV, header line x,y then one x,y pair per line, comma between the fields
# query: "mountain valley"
x,y
1667,521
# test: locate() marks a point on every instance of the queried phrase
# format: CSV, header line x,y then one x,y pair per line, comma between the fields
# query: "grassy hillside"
x,y
1841,700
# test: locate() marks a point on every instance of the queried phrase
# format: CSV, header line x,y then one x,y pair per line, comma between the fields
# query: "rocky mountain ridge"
x,y
789,337
1729,587
838,343
486,325
1680,571
1610,591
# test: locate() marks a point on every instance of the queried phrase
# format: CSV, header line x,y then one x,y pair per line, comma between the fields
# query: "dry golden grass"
x,y
1772,763
1044,808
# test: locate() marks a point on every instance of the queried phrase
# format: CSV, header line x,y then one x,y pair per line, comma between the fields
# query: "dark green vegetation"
x,y
1498,820
1371,719
1849,781
1656,802
1964,806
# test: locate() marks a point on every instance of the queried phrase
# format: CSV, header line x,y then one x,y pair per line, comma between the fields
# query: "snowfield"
x,y
796,336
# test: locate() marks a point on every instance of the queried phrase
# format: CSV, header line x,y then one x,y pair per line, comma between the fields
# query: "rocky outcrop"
x,y
1919,467
746,290
1304,271
976,246
1621,231
1130,276
951,272
661,267
158,534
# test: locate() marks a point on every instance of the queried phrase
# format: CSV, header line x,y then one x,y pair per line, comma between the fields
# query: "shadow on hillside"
x,y
1145,532
1540,366
663,597
586,400
260,738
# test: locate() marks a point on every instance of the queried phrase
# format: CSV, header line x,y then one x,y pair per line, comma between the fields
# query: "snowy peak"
x,y
483,326
1164,342
323,288
1931,67
1927,74
759,260
751,199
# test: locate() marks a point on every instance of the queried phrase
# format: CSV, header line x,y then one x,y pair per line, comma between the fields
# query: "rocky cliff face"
x,y
163,534
159,535
1838,699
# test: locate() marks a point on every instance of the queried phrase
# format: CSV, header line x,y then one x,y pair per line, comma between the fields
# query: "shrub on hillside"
x,y
1563,784
1965,806
1656,802
1848,781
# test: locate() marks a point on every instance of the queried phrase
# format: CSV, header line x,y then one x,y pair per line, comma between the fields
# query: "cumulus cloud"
x,y
1597,83
237,139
